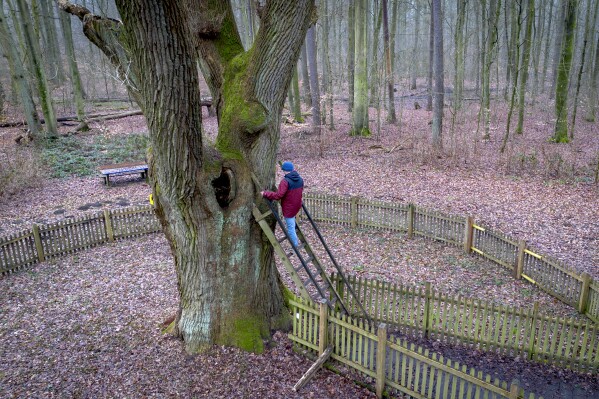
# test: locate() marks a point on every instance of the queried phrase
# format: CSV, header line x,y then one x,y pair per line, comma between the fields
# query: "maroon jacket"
x,y
290,193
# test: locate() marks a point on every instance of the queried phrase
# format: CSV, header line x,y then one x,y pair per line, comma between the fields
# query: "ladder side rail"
x,y
340,271
323,273
295,249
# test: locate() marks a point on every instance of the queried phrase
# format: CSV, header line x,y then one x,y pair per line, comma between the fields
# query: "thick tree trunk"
x,y
297,103
53,51
558,44
563,73
229,288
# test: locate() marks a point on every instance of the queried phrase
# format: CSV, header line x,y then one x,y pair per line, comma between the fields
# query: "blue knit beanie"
x,y
287,166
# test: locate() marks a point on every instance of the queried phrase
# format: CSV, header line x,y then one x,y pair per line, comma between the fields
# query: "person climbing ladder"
x,y
290,194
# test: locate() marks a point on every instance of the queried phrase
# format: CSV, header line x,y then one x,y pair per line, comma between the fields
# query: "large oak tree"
x,y
230,291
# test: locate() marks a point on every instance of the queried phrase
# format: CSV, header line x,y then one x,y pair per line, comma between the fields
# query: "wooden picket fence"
x,y
42,242
392,362
422,312
557,279
579,290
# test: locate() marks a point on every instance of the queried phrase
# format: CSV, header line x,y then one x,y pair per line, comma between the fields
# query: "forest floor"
x,y
87,324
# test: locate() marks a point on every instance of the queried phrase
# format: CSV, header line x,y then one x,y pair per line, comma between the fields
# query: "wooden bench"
x,y
121,169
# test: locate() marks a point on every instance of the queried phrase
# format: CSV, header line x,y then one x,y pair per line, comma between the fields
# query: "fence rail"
x,y
42,242
556,278
421,312
392,362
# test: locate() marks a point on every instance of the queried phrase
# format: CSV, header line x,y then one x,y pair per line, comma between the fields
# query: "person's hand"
x,y
262,193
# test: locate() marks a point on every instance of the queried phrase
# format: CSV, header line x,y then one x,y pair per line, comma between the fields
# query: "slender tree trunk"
x,y
438,97
588,28
351,53
393,34
526,49
537,40
2,101
592,92
391,118
18,75
458,86
65,23
360,114
490,47
326,66
479,44
563,75
557,45
512,41
374,65
515,59
32,45
56,70
314,89
431,54
297,108
307,96
547,46
414,63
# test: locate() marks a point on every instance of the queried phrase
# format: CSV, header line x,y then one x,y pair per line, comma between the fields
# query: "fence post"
x,y
427,310
584,292
340,287
468,234
532,331
108,224
411,209
520,260
38,243
514,389
354,212
381,355
323,327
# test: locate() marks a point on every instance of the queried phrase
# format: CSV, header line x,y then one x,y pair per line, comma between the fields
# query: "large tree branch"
x,y
214,30
105,33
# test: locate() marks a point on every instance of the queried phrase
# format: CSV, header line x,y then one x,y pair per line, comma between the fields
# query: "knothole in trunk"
x,y
224,187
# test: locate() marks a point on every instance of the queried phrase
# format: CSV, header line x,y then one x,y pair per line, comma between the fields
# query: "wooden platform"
x,y
121,169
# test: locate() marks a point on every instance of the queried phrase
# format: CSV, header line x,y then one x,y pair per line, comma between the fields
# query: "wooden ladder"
x,y
307,271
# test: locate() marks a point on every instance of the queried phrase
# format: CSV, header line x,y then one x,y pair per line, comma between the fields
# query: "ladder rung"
x,y
307,282
280,240
289,254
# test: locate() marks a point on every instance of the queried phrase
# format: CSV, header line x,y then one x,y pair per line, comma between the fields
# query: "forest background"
x,y
391,100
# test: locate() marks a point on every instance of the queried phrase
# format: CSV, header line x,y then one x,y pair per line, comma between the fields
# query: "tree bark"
x,y
558,45
360,114
18,75
592,93
524,65
563,73
307,96
588,27
414,66
229,289
34,52
490,46
438,96
431,61
314,89
391,117
458,86
547,45
53,50
351,53
65,23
